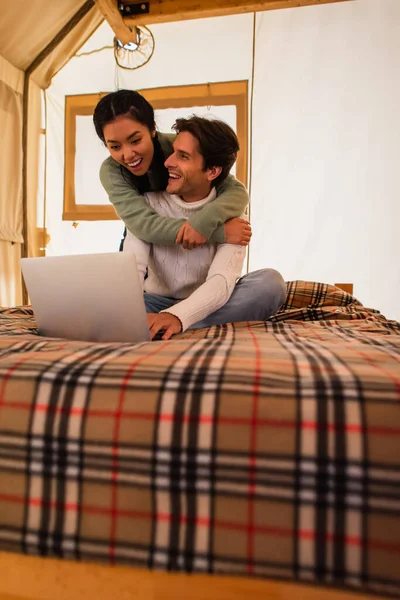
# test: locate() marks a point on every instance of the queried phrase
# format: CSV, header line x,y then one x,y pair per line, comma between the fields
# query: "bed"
x,y
229,462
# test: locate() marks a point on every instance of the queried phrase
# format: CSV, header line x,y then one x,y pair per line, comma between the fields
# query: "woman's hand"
x,y
189,237
237,231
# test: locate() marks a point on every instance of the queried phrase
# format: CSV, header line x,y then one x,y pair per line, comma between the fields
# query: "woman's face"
x,y
130,143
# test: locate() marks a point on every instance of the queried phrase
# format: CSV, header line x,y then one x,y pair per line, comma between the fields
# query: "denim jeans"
x,y
256,297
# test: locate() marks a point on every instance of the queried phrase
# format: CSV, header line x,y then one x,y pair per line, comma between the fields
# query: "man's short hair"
x,y
218,143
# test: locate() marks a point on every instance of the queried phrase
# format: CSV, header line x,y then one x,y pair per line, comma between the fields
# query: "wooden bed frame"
x,y
346,287
33,578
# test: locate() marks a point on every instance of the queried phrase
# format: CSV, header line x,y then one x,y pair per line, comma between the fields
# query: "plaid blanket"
x,y
264,449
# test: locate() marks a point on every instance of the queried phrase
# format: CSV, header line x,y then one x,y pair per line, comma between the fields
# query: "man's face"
x,y
185,168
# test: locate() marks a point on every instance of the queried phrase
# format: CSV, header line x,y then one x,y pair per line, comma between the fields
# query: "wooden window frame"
x,y
232,93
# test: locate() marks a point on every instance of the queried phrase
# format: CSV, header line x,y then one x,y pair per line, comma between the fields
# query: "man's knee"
x,y
271,290
277,285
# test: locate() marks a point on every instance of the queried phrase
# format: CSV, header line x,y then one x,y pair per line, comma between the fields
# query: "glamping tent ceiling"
x,y
28,26
31,29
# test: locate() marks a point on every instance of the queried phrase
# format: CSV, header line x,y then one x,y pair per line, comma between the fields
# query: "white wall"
x,y
326,147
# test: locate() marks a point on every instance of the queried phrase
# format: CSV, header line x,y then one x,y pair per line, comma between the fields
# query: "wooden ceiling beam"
x,y
163,11
124,32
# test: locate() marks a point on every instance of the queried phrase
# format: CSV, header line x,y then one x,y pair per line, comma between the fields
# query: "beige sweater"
x,y
202,278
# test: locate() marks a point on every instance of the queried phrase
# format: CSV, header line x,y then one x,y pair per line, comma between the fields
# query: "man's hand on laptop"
x,y
237,231
166,322
189,237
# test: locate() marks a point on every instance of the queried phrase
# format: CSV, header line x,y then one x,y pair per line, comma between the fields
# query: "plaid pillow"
x,y
313,294
313,301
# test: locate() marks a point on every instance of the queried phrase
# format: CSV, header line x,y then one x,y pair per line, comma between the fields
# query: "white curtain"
x,y
10,274
11,82
326,143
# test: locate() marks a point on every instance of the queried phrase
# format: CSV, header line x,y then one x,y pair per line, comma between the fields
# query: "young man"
x,y
200,287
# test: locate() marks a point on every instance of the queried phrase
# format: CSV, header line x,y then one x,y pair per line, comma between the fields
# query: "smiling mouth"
x,y
135,164
173,177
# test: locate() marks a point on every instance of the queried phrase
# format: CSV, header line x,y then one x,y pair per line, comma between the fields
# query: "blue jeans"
x,y
256,297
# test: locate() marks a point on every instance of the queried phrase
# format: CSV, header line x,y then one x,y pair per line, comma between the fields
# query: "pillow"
x,y
314,295
313,301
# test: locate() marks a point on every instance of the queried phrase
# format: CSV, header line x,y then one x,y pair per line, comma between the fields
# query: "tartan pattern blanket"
x,y
267,449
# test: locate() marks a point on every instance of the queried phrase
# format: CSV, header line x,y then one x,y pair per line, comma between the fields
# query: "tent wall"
x,y
326,140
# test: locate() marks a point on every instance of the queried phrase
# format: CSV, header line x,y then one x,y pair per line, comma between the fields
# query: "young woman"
x,y
136,166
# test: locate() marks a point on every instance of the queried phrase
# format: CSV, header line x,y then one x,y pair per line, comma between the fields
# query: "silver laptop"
x,y
91,297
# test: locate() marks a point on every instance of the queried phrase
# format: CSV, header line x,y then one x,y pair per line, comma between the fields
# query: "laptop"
x,y
90,297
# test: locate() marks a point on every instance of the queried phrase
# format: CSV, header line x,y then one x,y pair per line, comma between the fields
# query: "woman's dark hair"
x,y
218,143
133,104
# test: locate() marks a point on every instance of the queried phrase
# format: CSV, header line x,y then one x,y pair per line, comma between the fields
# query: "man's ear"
x,y
213,173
